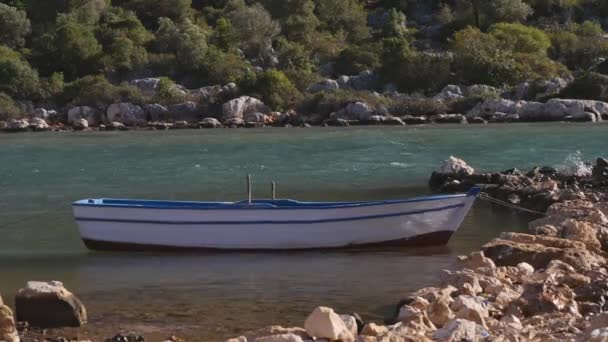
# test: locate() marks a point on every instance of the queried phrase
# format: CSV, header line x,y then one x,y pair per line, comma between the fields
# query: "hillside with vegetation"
x,y
311,56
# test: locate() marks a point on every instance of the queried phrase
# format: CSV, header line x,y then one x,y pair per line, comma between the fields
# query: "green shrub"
x,y
97,91
277,91
355,59
591,86
17,78
324,103
417,105
467,103
167,93
8,108
579,46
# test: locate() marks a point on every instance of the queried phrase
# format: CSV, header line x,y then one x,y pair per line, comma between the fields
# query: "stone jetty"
x,y
550,284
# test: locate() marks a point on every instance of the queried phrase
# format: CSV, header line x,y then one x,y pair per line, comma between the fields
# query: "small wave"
x,y
403,165
574,164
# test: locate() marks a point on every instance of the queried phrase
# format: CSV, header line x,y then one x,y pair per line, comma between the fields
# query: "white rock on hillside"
x,y
239,107
325,85
457,166
147,86
126,113
449,93
92,115
323,322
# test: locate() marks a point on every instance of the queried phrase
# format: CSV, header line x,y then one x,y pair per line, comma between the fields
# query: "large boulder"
x,y
147,86
8,331
38,124
323,322
365,80
360,111
479,90
449,93
49,305
210,123
239,107
92,115
325,85
449,118
187,111
126,113
156,112
255,118
457,330
531,111
40,113
487,108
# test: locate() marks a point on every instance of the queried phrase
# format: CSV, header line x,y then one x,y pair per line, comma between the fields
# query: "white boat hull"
x,y
423,221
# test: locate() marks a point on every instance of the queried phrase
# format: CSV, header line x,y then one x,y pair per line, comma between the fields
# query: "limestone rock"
x,y
49,305
255,117
157,112
38,124
355,111
92,115
456,166
583,232
239,107
16,125
470,308
187,111
280,338
372,329
476,260
457,330
126,113
323,322
449,93
8,331
351,323
210,123
325,85
276,330
439,311
449,118
414,120
525,268
80,124
147,86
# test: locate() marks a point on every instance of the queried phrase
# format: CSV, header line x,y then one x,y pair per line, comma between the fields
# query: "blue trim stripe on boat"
x,y
262,204
342,219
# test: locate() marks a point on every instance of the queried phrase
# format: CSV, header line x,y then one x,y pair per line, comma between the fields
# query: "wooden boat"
x,y
144,225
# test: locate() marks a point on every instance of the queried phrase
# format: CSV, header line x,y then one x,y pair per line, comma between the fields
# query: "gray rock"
x,y
147,86
156,112
375,120
118,126
355,111
126,113
477,120
325,85
210,123
582,117
49,305
239,107
234,123
92,115
187,111
255,117
366,80
81,124
530,111
449,93
181,124
338,122
551,87
343,81
489,107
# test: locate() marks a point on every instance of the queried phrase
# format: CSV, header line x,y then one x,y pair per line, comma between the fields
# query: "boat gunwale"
x,y
243,205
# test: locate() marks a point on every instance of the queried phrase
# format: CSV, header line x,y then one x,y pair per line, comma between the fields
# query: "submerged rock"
x,y
49,305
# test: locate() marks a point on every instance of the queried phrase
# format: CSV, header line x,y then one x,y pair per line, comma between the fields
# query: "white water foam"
x,y
574,164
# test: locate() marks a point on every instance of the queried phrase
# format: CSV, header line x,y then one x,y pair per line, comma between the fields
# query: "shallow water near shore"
x,y
214,295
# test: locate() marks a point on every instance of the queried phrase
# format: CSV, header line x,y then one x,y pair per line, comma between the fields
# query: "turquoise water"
x,y
40,174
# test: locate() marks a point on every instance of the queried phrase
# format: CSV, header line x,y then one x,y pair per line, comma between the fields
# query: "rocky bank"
x,y
548,285
225,106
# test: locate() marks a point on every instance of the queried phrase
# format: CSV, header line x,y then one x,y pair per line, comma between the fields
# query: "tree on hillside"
x,y
149,11
343,15
14,26
297,17
255,29
17,78
187,41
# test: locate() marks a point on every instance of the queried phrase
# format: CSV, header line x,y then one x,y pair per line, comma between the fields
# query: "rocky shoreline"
x,y
358,104
550,284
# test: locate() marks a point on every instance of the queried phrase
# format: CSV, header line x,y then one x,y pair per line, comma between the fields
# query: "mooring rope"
x,y
486,197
